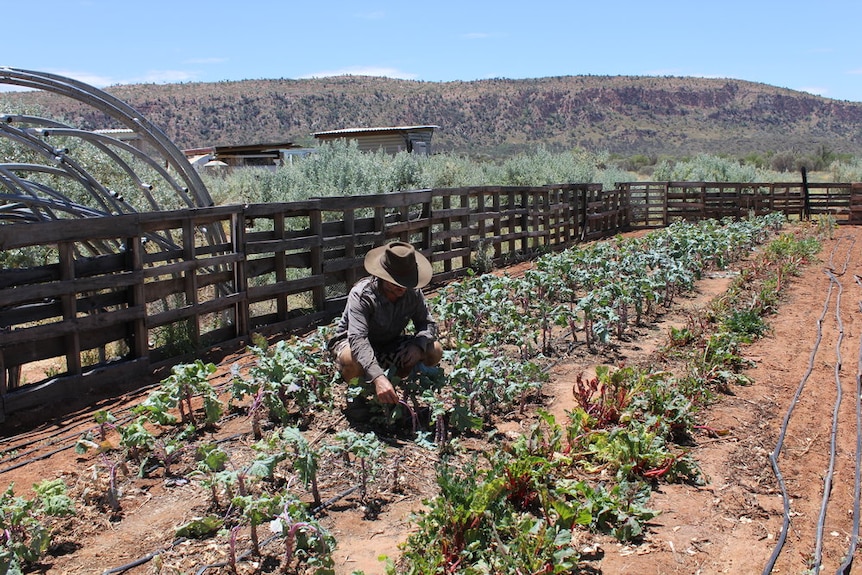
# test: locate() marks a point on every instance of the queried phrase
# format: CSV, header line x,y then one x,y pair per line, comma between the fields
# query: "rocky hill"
x,y
627,115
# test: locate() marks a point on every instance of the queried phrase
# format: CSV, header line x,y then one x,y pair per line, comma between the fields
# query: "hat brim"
x,y
423,269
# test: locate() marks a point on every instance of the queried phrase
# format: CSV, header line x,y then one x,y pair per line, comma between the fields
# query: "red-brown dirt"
x,y
729,525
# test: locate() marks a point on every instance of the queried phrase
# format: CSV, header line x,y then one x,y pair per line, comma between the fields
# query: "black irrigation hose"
x,y
144,559
827,481
37,458
57,438
773,457
844,568
334,499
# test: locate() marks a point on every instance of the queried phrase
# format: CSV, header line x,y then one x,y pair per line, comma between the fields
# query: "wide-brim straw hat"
x,y
399,263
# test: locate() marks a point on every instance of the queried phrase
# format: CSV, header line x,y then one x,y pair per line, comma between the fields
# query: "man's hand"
x,y
410,356
384,390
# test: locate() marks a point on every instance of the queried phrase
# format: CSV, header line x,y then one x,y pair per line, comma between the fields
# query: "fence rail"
x,y
657,204
178,285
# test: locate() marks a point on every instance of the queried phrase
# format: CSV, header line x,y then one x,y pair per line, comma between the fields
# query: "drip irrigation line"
x,y
847,255
773,457
831,265
37,458
827,481
334,499
844,568
144,559
72,437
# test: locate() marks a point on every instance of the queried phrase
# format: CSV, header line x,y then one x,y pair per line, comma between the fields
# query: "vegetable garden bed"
x,y
560,451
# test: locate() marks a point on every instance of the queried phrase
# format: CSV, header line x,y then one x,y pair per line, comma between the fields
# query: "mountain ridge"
x,y
624,115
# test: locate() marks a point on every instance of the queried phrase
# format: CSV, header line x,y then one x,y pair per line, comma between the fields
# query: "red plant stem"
x,y
660,471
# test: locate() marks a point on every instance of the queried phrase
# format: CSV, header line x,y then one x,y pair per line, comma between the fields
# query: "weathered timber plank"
x,y
407,226
187,312
71,325
35,293
261,293
283,245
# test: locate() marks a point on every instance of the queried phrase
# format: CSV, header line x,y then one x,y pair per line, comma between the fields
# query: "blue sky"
x,y
810,46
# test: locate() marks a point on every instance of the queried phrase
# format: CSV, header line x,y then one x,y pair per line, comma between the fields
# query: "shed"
x,y
258,155
391,139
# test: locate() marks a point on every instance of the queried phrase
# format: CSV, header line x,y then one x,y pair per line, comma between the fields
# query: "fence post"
x,y
481,224
67,273
138,333
466,232
319,290
240,276
280,231
582,213
190,279
349,219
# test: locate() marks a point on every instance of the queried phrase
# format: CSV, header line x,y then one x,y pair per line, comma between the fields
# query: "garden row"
x,y
513,510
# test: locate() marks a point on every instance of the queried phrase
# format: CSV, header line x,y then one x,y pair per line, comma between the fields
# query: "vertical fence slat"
x,y
138,332
68,301
319,290
240,277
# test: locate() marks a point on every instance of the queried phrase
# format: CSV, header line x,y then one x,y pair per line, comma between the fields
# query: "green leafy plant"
x,y
177,391
24,533
288,379
256,510
211,460
305,458
136,440
306,543
166,451
366,448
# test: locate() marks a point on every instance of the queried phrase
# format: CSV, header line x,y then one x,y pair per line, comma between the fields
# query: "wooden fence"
x,y
119,300
657,204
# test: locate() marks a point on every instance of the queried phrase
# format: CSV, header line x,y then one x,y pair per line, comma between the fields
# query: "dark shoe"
x,y
358,411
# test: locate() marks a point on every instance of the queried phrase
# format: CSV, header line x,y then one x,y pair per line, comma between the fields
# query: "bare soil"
x,y
729,525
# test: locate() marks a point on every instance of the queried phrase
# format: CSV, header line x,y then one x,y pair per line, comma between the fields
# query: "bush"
x,y
339,168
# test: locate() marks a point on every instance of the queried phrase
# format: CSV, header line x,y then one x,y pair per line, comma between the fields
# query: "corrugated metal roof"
x,y
373,130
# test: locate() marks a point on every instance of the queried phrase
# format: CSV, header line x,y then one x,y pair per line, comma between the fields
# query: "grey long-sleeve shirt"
x,y
371,322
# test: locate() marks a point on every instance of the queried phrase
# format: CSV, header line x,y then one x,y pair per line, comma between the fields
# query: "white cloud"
x,y
476,35
664,72
12,88
363,71
377,15
816,90
151,77
211,60
86,77
163,77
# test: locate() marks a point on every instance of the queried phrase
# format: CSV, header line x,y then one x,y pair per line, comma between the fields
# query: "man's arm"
x,y
423,321
359,309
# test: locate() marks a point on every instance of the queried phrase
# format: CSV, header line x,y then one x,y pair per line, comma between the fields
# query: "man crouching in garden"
x,y
370,336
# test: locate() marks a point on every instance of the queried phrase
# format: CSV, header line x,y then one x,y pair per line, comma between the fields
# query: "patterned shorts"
x,y
386,356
